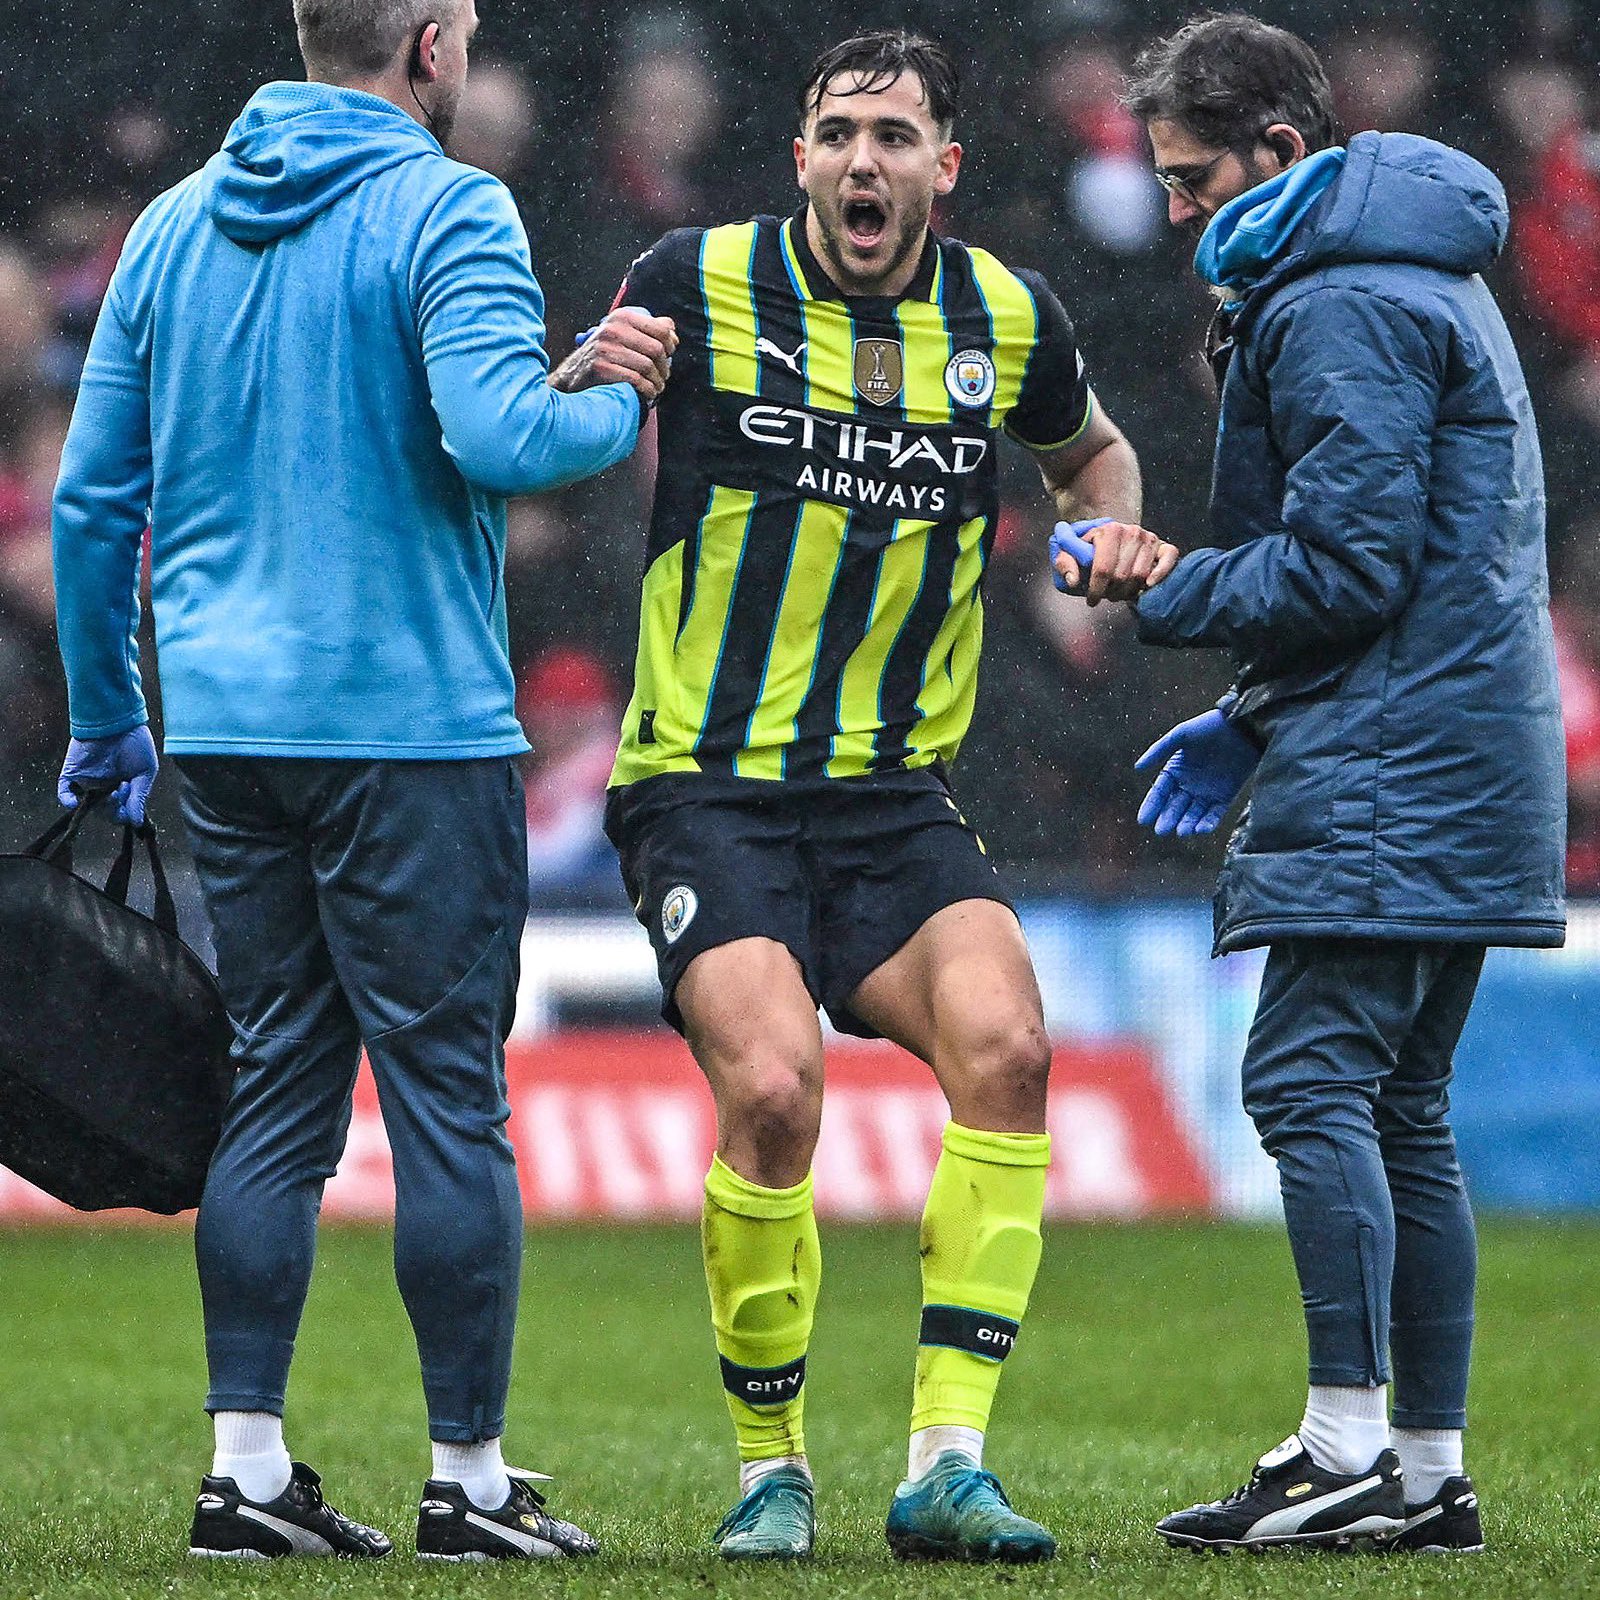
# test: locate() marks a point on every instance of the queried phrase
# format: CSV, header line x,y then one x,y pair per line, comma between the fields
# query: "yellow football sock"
x,y
980,1251
763,1267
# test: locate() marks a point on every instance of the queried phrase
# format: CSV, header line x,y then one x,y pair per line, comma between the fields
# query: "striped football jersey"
x,y
826,499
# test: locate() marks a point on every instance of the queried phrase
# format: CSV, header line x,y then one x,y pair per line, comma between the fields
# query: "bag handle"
x,y
55,846
165,913
55,843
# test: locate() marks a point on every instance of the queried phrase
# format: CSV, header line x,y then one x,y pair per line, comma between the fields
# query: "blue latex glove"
x,y
1068,540
127,760
1204,763
645,406
589,333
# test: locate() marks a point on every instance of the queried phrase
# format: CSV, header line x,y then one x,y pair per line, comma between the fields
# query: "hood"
x,y
1251,232
296,149
1396,197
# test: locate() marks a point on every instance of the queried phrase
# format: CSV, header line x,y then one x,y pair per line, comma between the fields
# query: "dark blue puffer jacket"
x,y
1381,580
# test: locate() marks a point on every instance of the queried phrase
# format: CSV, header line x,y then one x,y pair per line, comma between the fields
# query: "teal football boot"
x,y
959,1512
776,1521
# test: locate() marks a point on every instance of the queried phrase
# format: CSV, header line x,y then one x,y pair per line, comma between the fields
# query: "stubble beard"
x,y
908,239
443,120
1256,171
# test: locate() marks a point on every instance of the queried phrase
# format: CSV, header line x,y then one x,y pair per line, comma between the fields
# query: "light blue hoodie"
x,y
320,367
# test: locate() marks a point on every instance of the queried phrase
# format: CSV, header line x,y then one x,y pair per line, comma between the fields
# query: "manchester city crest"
x,y
880,370
969,376
677,911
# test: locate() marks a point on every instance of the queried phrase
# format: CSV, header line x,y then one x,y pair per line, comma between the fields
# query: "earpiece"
x,y
417,67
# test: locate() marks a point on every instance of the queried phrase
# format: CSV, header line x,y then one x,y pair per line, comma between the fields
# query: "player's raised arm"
x,y
628,346
1087,465
1096,485
480,314
636,340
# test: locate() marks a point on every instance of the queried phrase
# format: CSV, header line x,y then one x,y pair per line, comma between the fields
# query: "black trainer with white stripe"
x,y
451,1528
1448,1524
1290,1500
299,1522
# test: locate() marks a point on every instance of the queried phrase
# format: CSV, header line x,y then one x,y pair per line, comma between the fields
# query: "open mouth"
x,y
866,222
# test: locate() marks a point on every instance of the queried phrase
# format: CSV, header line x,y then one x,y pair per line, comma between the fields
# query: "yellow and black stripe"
x,y
826,500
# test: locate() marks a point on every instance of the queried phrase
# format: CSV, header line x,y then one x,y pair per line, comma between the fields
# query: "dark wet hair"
x,y
879,59
1224,79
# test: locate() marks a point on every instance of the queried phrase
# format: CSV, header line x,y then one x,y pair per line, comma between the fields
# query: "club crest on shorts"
x,y
969,376
880,370
677,911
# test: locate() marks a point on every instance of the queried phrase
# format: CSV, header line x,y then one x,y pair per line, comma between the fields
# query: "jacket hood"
x,y
1403,198
1250,233
1393,197
296,149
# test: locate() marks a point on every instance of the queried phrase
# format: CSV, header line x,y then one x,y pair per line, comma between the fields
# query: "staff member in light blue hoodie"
x,y
318,370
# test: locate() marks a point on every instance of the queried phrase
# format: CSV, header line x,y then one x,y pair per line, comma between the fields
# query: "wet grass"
x,y
1155,1364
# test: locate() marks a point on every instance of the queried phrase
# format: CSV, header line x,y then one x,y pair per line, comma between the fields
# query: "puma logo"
x,y
765,347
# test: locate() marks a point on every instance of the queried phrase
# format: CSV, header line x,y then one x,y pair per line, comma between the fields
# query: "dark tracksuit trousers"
x,y
376,903
1346,1076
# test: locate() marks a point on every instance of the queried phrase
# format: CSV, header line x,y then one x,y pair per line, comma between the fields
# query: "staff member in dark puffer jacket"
x,y
1380,582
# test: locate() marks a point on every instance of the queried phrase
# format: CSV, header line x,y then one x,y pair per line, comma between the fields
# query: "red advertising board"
x,y
619,1124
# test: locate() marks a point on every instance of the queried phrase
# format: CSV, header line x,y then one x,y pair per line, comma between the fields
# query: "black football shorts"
x,y
843,872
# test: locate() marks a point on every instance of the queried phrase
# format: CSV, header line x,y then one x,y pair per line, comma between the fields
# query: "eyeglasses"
x,y
1184,181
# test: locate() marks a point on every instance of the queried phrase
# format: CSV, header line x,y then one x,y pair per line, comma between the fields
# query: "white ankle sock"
x,y
1345,1428
928,1444
250,1450
752,1472
478,1468
1427,1457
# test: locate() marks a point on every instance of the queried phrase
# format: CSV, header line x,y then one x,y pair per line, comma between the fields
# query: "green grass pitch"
x,y
1155,1364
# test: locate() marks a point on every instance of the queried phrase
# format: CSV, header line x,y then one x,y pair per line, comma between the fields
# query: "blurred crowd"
x,y
611,132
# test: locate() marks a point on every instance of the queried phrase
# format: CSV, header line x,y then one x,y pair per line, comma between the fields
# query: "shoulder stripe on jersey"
x,y
791,265
966,316
1015,319
925,338
830,346
928,339
780,330
727,258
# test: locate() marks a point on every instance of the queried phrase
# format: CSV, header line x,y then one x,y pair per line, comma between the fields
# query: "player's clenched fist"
x,y
1123,560
629,346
